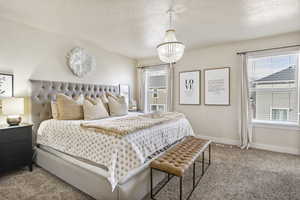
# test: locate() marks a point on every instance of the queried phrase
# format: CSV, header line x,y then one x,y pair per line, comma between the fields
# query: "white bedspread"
x,y
119,155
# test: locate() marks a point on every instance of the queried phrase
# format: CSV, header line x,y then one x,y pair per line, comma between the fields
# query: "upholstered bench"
x,y
176,161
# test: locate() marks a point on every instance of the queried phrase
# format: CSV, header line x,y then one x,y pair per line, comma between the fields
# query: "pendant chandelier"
x,y
170,50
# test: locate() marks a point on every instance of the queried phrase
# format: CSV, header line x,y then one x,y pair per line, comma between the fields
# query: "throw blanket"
x,y
124,126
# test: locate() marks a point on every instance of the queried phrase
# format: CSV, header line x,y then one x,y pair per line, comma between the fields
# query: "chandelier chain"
x,y
171,18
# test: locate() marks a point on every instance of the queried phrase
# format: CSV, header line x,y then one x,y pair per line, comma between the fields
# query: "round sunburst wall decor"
x,y
80,62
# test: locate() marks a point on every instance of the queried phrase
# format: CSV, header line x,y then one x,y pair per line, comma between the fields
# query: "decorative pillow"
x,y
54,110
104,99
117,105
92,100
94,109
68,108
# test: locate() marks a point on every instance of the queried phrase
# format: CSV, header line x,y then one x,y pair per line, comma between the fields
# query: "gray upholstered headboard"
x,y
43,92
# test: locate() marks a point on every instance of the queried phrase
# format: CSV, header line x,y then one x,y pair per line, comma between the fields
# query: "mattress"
x,y
120,156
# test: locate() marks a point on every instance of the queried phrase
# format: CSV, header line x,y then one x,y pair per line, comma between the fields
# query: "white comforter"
x,y
119,155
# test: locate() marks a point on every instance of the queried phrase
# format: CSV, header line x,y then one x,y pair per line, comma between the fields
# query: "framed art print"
x,y
6,85
189,87
217,86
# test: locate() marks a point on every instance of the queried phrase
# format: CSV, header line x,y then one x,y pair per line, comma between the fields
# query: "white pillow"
x,y
54,110
104,100
94,109
117,105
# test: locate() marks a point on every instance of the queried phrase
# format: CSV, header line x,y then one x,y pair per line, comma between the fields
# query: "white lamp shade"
x,y
170,51
13,106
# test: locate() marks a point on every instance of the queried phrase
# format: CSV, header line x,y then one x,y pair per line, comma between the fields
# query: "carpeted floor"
x,y
235,174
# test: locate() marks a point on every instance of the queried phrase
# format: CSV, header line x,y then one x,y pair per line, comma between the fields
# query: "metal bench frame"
x,y
170,176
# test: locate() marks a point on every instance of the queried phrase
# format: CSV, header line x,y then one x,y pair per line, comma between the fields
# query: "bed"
x,y
100,165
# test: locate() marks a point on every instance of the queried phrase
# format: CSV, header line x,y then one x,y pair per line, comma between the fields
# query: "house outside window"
x,y
273,87
279,114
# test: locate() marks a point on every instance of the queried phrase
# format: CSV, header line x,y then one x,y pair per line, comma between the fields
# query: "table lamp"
x,y
13,108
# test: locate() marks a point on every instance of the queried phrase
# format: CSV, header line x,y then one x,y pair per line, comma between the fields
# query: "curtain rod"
x,y
145,66
275,48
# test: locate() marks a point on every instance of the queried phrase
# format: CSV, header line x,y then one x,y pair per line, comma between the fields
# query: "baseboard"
x,y
220,140
267,147
276,148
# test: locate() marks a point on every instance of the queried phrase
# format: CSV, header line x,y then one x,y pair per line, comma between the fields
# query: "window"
x,y
157,107
273,87
156,89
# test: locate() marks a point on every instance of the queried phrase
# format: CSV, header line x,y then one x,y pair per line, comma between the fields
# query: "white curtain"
x,y
245,125
170,87
141,77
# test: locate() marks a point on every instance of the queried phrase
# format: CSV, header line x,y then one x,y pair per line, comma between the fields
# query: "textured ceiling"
x,y
134,27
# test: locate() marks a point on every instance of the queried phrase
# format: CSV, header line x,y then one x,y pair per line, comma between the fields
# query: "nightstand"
x,y
15,146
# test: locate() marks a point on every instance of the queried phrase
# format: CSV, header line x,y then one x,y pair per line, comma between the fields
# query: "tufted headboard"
x,y
43,92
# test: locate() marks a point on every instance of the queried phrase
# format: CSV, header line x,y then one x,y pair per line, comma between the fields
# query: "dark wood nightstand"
x,y
15,146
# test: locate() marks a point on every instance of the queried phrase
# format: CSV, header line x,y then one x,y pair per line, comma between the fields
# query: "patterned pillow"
x,y
117,105
68,108
94,109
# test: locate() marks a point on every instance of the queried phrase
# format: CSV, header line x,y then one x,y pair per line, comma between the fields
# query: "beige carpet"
x,y
235,174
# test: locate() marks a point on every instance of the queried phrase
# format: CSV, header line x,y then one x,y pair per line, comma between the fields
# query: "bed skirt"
x,y
95,185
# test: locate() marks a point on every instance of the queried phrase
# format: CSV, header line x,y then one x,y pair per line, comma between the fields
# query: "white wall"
x,y
30,53
221,123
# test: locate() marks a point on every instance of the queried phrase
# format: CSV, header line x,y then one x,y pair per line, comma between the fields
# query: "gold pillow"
x,y
68,108
94,109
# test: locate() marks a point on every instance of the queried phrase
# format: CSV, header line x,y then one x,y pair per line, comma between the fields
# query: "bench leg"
x,y
155,190
209,154
180,194
203,163
151,184
194,174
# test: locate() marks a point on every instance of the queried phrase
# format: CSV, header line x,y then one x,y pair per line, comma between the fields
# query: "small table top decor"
x,y
13,108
